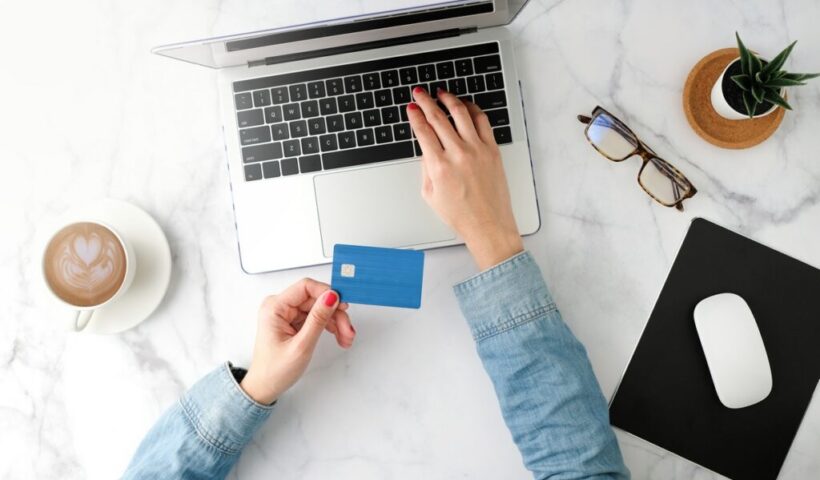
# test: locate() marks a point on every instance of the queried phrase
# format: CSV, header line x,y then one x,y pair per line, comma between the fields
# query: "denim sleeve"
x,y
201,436
548,394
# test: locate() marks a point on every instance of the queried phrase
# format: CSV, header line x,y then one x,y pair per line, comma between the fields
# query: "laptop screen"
x,y
409,17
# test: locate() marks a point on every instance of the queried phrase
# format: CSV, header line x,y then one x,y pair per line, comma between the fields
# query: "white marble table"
x,y
88,113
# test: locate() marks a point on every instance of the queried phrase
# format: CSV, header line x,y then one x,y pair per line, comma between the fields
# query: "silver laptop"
x,y
318,145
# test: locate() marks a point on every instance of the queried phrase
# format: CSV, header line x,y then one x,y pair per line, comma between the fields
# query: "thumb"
x,y
318,317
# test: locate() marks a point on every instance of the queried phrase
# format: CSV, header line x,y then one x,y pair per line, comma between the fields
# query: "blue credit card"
x,y
378,276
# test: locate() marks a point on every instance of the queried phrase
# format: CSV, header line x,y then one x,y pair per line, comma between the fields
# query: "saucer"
x,y
153,265
703,118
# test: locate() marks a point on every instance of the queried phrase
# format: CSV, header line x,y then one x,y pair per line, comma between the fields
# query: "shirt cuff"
x,y
221,413
504,296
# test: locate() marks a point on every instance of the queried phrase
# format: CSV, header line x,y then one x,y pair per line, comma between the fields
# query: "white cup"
x,y
84,313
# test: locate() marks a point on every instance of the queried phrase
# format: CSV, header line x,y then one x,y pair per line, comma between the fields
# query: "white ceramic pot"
x,y
723,108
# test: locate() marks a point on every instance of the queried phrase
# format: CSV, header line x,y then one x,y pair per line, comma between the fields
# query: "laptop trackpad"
x,y
378,206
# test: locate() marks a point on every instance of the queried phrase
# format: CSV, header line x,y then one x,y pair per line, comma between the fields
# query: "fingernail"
x,y
412,106
418,90
330,299
440,90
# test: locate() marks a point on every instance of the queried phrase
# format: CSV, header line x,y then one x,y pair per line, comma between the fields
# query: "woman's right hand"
x,y
463,176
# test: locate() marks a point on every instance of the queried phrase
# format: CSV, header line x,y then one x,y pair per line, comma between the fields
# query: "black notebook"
x,y
666,395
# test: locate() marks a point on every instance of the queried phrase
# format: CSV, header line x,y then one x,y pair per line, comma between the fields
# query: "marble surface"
x,y
88,113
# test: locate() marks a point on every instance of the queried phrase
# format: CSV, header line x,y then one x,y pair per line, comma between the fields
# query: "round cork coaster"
x,y
702,116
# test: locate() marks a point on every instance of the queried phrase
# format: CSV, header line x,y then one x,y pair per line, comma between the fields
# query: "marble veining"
x,y
88,112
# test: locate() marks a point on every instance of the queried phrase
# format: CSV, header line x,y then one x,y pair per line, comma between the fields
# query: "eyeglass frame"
x,y
646,154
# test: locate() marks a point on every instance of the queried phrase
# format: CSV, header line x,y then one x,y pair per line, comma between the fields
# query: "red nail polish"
x,y
330,299
418,90
440,90
412,106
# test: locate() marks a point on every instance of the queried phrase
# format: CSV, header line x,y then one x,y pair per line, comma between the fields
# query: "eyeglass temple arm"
x,y
584,119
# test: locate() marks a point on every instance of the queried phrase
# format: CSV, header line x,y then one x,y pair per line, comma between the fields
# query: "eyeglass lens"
x,y
660,181
611,137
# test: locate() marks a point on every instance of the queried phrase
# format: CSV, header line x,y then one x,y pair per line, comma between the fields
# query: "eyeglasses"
x,y
614,140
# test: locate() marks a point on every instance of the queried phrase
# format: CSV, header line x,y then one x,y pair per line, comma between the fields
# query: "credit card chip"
x,y
348,270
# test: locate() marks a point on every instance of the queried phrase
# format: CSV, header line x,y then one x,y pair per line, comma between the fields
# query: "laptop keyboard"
x,y
354,114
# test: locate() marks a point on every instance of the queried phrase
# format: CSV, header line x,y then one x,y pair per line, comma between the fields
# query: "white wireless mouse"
x,y
734,350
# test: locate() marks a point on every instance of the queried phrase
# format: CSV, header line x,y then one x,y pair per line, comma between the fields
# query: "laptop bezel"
x,y
214,52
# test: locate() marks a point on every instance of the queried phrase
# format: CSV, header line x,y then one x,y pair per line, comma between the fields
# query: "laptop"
x,y
318,145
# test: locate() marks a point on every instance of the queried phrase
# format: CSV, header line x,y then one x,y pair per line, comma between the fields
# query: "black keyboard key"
x,y
427,73
298,129
502,135
390,115
390,78
316,89
292,148
258,153
353,84
417,148
253,172
279,131
445,70
310,163
401,131
408,75
328,142
372,118
291,111
347,140
346,103
316,126
250,118
371,81
495,81
261,98
334,86
384,134
383,98
289,166
327,106
273,114
457,86
364,100
498,117
401,95
249,136
243,101
490,63
435,86
279,95
360,156
490,100
298,92
310,109
335,123
475,84
364,136
310,145
271,169
464,67
403,113
353,120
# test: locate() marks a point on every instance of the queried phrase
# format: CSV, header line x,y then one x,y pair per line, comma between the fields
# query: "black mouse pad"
x,y
666,395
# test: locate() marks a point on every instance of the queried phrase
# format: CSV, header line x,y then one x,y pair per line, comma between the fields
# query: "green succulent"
x,y
762,82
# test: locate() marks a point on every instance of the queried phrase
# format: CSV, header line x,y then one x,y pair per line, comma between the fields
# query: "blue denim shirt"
x,y
548,394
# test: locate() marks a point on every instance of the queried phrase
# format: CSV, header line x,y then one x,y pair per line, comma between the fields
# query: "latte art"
x,y
85,264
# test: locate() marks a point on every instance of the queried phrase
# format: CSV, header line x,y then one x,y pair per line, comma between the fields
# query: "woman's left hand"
x,y
289,328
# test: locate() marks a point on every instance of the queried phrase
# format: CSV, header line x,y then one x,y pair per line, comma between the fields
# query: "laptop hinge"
x,y
453,32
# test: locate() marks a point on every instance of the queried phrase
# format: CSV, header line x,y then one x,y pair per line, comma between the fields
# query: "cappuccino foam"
x,y
85,264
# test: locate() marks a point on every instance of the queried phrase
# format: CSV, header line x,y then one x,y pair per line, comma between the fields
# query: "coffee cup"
x,y
87,265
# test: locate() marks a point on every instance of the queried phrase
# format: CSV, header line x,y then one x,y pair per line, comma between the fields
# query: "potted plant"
x,y
751,87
